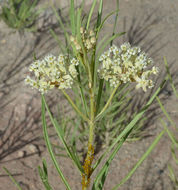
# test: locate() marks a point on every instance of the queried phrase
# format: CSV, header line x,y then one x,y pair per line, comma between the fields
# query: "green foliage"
x,y
43,172
171,135
49,146
12,178
113,148
145,155
20,14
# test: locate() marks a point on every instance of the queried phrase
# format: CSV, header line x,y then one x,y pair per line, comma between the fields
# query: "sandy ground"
x,y
153,25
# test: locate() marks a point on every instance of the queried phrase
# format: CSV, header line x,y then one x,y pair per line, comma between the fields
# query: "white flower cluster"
x,y
52,72
88,39
126,64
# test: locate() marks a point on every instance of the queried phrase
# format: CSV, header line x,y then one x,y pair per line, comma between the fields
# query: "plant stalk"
x,y
90,154
84,117
108,102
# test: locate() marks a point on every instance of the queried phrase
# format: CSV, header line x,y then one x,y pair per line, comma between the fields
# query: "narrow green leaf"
x,y
145,155
172,175
23,9
12,178
100,11
72,17
99,44
102,23
139,115
101,176
45,167
173,151
100,115
81,92
61,45
78,24
90,13
49,147
107,43
170,78
69,152
44,175
131,124
85,118
61,23
171,136
60,135
165,113
115,22
108,112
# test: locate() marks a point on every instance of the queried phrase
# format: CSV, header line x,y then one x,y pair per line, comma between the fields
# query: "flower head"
x,y
88,39
52,72
126,64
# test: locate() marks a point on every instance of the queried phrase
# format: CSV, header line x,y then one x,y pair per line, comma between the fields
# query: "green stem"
x,y
74,106
90,13
60,22
170,77
165,112
108,102
101,82
85,188
90,154
92,116
115,23
81,92
171,136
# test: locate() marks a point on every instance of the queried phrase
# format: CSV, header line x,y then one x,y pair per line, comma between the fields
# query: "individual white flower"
x,y
104,56
74,61
125,56
125,46
117,69
114,82
50,59
61,68
61,59
141,83
155,70
73,71
107,63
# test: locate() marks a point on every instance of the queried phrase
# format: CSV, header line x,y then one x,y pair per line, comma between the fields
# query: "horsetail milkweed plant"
x,y
116,66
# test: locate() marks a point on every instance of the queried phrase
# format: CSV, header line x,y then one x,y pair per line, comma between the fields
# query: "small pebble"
x,y
21,153
32,148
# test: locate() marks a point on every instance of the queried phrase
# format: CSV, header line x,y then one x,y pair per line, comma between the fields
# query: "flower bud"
x,y
81,30
91,33
72,38
93,40
78,47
